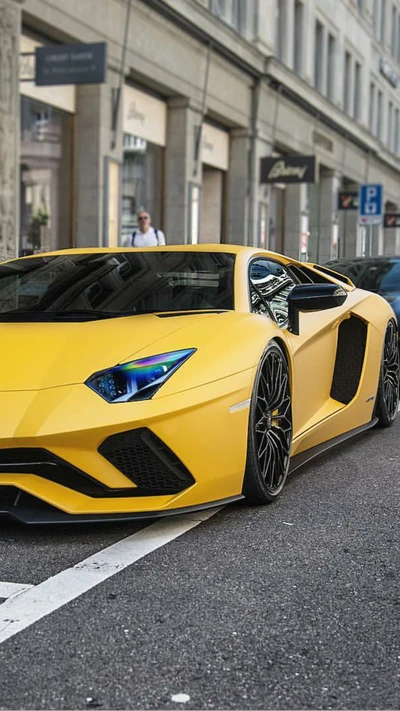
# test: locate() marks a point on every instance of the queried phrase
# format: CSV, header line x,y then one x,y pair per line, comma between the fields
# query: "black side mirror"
x,y
313,297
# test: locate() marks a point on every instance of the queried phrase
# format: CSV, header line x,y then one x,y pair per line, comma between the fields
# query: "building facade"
x,y
197,94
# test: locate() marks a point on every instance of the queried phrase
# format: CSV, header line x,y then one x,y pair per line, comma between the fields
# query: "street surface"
x,y
291,606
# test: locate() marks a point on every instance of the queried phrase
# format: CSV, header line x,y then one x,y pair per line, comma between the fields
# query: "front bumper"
x,y
56,462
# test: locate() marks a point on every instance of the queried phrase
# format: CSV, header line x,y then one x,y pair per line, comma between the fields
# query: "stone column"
x,y
328,216
10,27
296,212
288,32
238,198
181,172
245,193
348,228
258,193
94,148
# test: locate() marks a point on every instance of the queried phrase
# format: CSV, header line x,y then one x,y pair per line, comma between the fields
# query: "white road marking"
x,y
8,590
20,612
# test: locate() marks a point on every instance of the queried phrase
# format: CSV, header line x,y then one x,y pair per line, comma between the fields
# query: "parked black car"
x,y
378,274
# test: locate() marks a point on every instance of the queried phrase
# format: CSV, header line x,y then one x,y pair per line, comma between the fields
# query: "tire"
x,y
270,429
387,399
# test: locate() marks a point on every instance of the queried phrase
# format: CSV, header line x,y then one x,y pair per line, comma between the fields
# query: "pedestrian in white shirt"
x,y
146,235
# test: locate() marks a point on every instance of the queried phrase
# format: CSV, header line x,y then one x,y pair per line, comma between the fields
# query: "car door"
x,y
313,351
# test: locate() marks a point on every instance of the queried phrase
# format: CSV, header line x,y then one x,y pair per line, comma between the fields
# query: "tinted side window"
x,y
270,285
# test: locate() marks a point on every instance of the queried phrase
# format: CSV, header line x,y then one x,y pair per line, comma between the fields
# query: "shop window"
x,y
142,173
45,178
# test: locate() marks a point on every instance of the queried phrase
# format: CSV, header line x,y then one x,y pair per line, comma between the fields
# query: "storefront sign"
x,y
388,72
62,97
288,169
71,64
214,147
391,220
144,116
348,200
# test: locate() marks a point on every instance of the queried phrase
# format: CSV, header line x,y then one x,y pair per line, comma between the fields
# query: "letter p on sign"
x,y
372,192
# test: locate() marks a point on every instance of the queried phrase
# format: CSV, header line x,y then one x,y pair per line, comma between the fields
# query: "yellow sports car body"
x,y
142,382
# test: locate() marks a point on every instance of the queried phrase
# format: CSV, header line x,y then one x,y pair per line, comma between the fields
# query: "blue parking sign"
x,y
370,210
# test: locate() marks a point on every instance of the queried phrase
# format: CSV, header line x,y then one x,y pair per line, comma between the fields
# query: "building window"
x,y
142,172
371,113
331,67
229,11
379,124
393,41
398,40
390,127
382,33
298,35
279,31
45,177
376,17
347,82
396,132
318,54
357,91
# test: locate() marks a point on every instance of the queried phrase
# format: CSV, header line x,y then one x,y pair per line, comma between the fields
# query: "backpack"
x,y
134,234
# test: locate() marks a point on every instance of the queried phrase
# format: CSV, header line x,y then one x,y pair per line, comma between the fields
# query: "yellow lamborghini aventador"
x,y
139,383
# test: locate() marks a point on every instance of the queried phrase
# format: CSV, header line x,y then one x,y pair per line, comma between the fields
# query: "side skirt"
x,y
299,459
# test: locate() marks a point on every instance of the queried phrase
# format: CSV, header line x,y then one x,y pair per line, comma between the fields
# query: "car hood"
x,y
44,355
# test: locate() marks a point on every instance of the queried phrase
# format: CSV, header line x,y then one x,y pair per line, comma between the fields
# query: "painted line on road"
x,y
20,612
8,590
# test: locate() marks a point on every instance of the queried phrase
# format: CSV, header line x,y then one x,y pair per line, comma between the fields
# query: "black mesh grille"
x,y
352,338
147,461
8,495
24,460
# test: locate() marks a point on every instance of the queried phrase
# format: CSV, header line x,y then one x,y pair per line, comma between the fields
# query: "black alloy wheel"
x,y
387,400
270,429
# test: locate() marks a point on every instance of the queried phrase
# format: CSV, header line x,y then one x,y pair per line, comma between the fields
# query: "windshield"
x,y
381,276
106,285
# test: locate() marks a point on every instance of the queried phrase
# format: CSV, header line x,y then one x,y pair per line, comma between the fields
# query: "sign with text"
x,y
391,220
288,169
370,211
71,64
348,200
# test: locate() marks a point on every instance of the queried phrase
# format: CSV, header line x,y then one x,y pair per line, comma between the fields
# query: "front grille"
x,y
46,465
147,461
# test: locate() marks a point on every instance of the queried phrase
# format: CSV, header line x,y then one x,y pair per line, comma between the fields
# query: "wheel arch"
x,y
283,345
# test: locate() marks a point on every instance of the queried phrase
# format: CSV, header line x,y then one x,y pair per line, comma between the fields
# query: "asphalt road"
x,y
291,606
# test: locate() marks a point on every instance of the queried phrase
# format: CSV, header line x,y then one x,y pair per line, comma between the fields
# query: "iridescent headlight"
x,y
139,379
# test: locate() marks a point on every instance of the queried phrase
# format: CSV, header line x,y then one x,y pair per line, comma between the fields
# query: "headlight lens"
x,y
139,379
